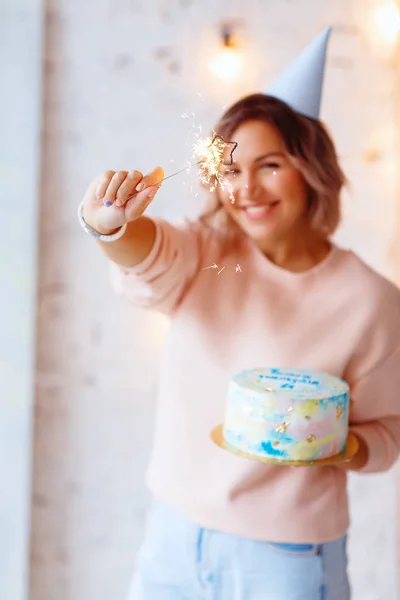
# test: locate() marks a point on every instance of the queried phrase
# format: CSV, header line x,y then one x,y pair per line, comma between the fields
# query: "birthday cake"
x,y
287,414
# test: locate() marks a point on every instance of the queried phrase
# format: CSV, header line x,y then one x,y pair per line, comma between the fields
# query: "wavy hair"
x,y
310,149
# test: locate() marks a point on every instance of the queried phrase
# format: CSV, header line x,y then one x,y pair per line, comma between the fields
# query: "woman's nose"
x,y
249,186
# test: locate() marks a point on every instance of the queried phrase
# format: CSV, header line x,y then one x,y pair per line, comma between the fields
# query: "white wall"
x,y
20,110
118,77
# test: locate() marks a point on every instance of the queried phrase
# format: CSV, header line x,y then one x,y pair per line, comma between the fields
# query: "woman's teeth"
x,y
260,209
254,210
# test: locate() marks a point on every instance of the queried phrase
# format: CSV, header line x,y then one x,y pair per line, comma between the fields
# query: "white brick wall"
x,y
119,75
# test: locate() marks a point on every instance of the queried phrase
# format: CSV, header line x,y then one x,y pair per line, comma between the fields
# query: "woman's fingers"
x,y
119,190
139,191
155,177
144,192
103,183
111,192
128,186
136,206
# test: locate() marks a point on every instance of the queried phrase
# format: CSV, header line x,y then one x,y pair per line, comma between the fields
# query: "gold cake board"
x,y
350,450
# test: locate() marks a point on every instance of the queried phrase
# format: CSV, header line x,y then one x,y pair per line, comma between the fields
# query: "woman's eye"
x,y
270,166
230,172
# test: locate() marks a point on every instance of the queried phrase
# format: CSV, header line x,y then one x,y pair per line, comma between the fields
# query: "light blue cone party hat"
x,y
300,84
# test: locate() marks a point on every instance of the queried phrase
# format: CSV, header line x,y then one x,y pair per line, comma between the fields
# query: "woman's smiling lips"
x,y
258,210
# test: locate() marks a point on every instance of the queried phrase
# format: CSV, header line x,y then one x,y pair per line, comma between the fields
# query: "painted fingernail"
x,y
140,186
107,203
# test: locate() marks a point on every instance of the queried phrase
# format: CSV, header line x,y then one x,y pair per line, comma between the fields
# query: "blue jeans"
x,y
181,561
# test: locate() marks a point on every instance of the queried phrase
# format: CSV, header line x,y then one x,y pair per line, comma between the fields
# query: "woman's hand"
x,y
357,461
106,206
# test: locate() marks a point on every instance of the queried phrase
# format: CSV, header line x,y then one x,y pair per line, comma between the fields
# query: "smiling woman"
x,y
222,526
285,181
271,195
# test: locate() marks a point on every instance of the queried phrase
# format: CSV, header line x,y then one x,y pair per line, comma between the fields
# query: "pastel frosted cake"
x,y
287,414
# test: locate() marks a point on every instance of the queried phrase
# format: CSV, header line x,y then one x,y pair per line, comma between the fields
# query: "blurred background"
x,y
100,84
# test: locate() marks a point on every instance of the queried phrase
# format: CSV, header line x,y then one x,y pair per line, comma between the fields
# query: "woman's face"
x,y
269,199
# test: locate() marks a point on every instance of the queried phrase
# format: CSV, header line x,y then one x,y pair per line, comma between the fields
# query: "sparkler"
x,y
210,157
210,154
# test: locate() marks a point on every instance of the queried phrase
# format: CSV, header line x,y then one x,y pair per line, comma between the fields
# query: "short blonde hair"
x,y
310,149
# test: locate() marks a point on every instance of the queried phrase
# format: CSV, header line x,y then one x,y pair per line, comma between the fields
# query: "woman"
x,y
283,295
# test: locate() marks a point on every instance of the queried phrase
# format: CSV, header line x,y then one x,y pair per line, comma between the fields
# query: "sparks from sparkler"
x,y
211,153
215,266
210,157
212,177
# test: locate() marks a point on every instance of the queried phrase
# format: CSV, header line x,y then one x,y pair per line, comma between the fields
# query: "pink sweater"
x,y
340,317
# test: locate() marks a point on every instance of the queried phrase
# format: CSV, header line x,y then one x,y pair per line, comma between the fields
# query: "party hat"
x,y
300,84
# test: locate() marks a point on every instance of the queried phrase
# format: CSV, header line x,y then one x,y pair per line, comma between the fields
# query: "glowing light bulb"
x,y
387,21
228,63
